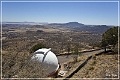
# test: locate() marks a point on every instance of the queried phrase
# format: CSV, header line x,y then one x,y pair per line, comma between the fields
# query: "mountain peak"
x,y
73,24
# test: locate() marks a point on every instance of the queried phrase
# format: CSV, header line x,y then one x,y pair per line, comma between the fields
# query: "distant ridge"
x,y
69,24
75,26
24,22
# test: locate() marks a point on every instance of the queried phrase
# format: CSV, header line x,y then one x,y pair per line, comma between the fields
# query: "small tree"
x,y
36,47
76,49
68,46
104,44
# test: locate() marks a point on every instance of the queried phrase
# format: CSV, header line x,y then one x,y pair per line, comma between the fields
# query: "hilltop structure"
x,y
49,59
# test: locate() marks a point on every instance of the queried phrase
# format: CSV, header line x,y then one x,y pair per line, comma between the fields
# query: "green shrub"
x,y
91,68
36,47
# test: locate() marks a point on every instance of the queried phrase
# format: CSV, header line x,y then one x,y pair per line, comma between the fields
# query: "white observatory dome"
x,y
48,58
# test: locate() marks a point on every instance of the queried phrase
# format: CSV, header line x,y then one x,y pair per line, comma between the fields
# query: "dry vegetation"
x,y
18,65
102,66
17,42
55,38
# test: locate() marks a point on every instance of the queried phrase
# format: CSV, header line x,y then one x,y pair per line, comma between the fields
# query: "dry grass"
x,y
72,65
102,66
18,65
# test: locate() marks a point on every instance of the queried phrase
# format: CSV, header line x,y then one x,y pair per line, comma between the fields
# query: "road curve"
x,y
65,58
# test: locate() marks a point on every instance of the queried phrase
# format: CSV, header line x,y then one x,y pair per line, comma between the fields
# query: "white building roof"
x,y
48,58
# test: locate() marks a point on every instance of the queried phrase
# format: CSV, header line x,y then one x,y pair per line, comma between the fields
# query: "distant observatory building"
x,y
48,58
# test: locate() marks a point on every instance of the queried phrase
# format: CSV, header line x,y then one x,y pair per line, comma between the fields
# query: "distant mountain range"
x,y
69,24
74,26
24,22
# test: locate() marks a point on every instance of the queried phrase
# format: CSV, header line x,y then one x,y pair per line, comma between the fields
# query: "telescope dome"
x,y
48,58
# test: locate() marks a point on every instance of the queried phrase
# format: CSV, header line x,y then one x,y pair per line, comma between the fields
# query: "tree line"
x,y
110,38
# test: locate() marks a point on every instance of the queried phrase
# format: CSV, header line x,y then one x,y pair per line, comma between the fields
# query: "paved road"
x,y
64,58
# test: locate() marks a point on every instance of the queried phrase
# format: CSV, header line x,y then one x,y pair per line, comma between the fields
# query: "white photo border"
x,y
61,1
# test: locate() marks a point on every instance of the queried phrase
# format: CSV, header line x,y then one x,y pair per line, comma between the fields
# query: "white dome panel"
x,y
48,58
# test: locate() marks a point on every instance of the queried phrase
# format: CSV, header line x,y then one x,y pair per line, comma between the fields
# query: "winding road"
x,y
65,58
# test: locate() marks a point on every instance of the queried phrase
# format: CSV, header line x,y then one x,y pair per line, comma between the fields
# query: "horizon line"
x,y
52,22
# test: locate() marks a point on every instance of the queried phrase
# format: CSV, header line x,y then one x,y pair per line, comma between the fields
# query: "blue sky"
x,y
103,13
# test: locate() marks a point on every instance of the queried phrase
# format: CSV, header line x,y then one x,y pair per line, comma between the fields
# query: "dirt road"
x,y
65,58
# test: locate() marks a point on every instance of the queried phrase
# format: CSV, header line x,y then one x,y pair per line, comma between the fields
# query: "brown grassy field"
x,y
102,66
